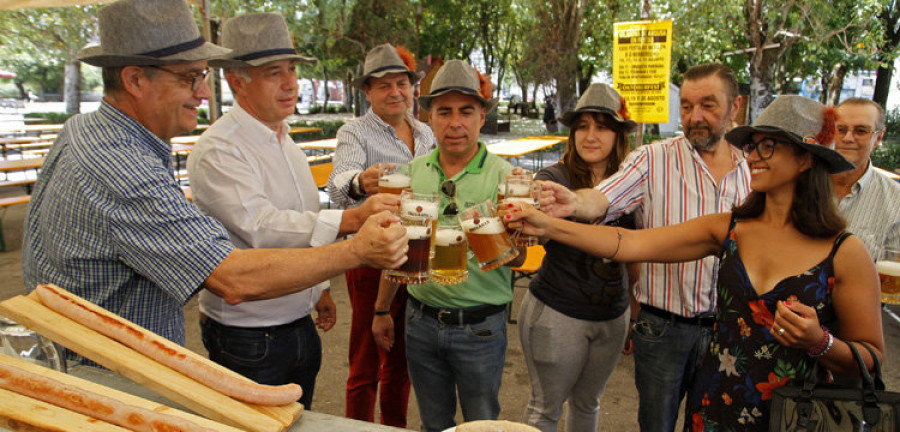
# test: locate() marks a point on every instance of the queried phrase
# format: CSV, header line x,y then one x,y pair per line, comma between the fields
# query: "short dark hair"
x,y
813,211
709,69
879,123
579,171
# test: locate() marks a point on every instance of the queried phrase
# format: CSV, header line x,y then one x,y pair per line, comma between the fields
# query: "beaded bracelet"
x,y
824,346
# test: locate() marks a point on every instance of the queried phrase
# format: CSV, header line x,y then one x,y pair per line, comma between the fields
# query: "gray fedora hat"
x,y
383,60
256,39
143,33
601,98
458,76
802,121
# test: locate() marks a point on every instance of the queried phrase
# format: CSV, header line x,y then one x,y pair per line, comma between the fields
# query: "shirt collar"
x,y
866,178
133,127
475,166
378,121
252,126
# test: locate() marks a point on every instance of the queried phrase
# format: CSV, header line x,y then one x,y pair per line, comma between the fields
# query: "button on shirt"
x,y
366,141
258,184
475,183
108,222
872,211
669,183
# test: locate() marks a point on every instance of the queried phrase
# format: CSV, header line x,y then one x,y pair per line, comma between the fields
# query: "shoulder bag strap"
x,y
870,410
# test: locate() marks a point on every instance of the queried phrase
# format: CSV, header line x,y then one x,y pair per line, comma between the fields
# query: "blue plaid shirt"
x,y
108,222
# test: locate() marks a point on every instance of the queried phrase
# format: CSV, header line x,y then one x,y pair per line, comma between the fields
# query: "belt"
x,y
702,320
472,315
205,320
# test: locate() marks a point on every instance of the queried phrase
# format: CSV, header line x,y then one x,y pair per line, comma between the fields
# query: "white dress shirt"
x,y
258,184
872,211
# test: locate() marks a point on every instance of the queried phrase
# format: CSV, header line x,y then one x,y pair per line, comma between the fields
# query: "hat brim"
x,y
570,116
360,82
228,62
489,104
834,161
95,56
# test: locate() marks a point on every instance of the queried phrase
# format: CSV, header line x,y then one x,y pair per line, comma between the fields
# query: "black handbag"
x,y
827,407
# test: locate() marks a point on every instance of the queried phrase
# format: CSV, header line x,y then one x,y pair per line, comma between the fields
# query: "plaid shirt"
x,y
108,222
668,183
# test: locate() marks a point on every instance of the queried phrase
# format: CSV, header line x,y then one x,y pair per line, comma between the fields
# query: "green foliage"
x,y
892,123
329,129
331,109
8,90
51,117
202,115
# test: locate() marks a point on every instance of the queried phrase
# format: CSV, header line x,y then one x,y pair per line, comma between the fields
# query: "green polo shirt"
x,y
474,184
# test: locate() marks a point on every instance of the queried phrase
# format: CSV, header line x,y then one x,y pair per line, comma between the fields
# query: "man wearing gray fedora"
x,y
108,220
455,334
387,133
247,172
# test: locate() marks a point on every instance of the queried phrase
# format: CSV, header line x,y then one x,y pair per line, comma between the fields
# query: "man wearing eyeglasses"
x,y
670,182
108,220
869,199
455,335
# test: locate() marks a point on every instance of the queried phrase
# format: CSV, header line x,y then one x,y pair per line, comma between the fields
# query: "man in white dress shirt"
x,y
247,172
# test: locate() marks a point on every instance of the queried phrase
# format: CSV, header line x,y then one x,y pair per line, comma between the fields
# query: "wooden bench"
x,y
320,173
7,202
525,271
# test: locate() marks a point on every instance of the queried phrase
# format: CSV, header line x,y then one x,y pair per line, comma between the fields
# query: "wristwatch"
x,y
355,191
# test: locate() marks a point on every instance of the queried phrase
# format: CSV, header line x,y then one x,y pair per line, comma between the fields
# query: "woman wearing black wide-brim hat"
x,y
790,279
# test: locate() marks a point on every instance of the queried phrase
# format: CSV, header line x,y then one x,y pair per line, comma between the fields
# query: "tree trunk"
x,y
73,86
760,95
826,81
837,84
23,94
883,85
327,95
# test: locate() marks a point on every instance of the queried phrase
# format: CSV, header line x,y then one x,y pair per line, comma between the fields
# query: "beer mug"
x,y
421,205
393,179
416,269
518,173
450,263
888,266
487,236
521,189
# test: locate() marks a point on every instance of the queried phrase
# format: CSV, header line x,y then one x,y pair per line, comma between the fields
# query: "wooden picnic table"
x,y
325,144
33,128
186,140
304,129
517,148
21,164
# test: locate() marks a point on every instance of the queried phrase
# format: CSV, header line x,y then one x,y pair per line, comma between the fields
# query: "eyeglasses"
x,y
858,132
448,189
195,78
764,148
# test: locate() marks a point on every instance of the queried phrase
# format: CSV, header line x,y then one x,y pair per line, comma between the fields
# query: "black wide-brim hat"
x,y
799,120
146,33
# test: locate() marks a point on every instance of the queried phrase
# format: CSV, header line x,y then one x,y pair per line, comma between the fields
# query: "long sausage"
x,y
164,351
92,404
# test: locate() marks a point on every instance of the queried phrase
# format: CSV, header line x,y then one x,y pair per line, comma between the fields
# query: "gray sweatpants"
x,y
568,359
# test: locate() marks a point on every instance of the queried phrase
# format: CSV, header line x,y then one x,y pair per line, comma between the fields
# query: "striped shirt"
x,y
668,183
108,222
369,140
872,211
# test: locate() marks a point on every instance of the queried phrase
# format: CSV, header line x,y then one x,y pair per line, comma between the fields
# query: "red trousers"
x,y
371,365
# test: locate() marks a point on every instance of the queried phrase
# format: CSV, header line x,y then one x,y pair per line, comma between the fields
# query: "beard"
x,y
703,136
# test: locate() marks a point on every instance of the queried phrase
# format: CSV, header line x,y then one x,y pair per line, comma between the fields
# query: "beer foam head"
x,y
483,225
518,189
418,232
888,268
419,208
395,180
449,237
526,200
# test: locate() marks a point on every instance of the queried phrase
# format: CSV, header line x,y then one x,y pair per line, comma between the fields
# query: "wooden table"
x,y
319,146
520,147
186,140
21,164
304,129
33,128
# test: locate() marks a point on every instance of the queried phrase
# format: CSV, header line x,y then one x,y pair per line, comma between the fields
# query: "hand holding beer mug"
x,y
393,179
487,236
416,269
450,263
520,189
888,267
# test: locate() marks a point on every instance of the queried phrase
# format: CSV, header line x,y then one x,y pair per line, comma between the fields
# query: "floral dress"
x,y
744,363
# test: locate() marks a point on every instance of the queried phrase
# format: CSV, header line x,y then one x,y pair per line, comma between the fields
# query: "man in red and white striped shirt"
x,y
670,182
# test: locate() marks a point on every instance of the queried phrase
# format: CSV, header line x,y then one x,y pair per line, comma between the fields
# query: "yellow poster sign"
x,y
642,55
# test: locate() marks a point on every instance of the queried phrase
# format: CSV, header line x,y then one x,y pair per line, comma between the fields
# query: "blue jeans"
x,y
667,356
290,353
444,360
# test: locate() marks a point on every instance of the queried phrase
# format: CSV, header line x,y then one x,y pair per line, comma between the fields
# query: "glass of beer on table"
x,y
416,269
519,188
393,179
449,266
888,266
487,236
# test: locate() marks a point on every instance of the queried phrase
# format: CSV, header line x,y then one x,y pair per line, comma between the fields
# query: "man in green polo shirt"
x,y
455,335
